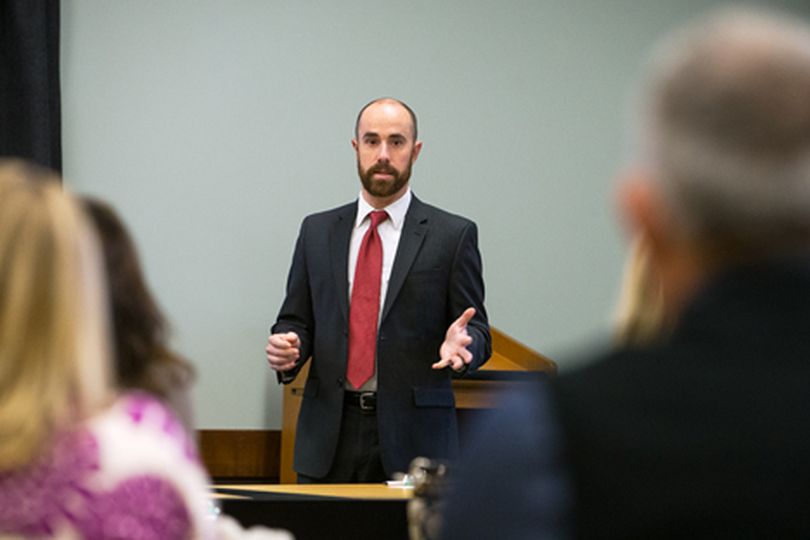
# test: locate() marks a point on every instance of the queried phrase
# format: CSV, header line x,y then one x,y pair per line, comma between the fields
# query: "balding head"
x,y
387,101
729,129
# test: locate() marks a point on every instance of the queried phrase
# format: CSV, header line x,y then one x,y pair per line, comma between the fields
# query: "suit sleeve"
x,y
295,314
467,290
513,481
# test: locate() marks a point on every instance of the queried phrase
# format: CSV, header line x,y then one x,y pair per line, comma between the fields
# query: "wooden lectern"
x,y
509,359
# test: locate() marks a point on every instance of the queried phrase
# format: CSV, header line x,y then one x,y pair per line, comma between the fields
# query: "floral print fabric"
x,y
131,473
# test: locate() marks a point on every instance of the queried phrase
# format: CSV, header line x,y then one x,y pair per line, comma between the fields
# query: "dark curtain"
x,y
30,110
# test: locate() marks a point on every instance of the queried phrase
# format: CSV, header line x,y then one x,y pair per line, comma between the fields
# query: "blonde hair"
x,y
640,309
53,323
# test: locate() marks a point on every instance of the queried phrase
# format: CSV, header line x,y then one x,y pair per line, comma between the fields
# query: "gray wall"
x,y
215,126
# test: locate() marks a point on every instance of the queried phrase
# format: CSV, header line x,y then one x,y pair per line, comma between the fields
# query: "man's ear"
x,y
354,144
417,147
674,255
644,212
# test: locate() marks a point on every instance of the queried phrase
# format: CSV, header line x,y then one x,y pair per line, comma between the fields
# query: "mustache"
x,y
385,169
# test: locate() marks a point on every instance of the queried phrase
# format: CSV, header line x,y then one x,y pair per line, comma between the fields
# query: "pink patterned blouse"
x,y
131,472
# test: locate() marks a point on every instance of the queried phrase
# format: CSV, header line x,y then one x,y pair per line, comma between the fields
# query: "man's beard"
x,y
383,188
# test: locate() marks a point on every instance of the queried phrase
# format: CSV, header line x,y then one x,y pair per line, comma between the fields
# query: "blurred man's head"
x,y
727,130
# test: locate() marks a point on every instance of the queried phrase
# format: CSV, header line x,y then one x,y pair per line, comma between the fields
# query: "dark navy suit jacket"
x,y
436,275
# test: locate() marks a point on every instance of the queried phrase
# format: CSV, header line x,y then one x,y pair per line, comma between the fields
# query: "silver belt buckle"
x,y
367,401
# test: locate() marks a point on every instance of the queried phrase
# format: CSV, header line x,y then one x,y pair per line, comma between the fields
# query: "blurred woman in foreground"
x,y
143,359
75,460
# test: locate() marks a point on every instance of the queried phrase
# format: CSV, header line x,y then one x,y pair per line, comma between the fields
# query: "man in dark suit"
x,y
385,295
704,433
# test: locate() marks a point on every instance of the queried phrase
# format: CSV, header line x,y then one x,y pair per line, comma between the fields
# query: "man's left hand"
x,y
453,351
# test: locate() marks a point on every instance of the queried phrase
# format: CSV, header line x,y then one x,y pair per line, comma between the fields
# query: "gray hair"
x,y
729,128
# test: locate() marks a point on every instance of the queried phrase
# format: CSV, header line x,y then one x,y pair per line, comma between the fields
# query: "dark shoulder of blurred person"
x,y
143,358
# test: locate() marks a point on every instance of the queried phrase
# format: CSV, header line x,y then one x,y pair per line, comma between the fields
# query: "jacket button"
x,y
341,381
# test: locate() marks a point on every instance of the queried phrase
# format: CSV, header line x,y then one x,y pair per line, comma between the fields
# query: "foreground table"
x,y
318,511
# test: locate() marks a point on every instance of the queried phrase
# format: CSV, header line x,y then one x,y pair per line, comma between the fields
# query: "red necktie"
x,y
365,304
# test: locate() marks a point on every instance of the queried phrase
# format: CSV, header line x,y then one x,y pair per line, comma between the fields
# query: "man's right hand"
x,y
283,351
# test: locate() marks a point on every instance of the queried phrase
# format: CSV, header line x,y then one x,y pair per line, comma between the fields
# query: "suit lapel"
x,y
339,238
413,234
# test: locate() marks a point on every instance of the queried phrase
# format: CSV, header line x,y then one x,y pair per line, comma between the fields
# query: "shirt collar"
x,y
396,210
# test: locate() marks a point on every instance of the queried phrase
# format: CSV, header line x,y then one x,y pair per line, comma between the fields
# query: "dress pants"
x,y
358,458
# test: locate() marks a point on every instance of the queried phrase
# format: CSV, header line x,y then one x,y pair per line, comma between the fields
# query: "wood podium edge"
x,y
519,353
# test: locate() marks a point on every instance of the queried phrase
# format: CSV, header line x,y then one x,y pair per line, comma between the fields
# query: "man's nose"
x,y
383,154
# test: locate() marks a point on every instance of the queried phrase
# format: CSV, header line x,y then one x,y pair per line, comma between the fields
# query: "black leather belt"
x,y
364,400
